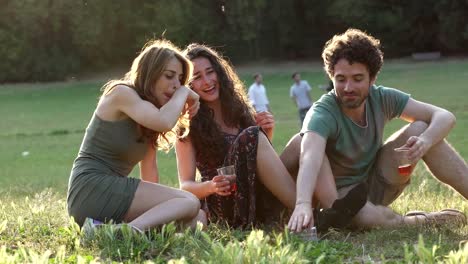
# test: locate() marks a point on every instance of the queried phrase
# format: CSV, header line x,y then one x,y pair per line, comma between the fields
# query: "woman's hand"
x,y
221,185
266,121
301,218
193,102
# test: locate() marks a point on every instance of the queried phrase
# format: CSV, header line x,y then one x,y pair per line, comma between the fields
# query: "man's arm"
x,y
439,120
312,153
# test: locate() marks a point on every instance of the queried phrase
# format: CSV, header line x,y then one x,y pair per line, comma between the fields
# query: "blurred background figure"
x,y
300,93
257,95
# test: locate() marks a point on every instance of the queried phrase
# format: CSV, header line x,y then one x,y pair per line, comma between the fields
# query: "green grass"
x,y
48,121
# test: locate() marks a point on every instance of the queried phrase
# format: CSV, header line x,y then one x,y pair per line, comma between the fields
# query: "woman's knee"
x,y
193,202
263,140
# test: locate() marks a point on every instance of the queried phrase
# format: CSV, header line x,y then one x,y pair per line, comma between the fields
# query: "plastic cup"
x,y
230,173
309,234
404,165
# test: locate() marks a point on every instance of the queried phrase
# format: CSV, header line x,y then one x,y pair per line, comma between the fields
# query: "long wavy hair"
x,y
205,133
145,71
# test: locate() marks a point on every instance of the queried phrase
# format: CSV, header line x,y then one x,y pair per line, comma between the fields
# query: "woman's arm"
x,y
266,121
126,100
186,167
149,167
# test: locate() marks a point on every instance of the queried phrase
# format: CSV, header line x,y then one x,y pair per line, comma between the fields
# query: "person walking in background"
x,y
300,93
342,148
134,117
226,131
257,95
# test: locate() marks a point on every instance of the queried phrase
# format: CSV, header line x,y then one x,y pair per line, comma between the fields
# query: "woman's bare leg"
x,y
273,174
200,218
156,204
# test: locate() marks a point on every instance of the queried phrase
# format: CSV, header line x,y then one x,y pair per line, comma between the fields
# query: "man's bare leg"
x,y
370,215
441,160
448,166
381,216
291,155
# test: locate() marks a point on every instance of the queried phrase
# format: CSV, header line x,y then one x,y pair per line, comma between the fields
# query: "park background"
x,y
56,54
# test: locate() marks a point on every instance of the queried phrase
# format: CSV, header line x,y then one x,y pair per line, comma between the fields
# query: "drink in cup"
x,y
404,165
230,173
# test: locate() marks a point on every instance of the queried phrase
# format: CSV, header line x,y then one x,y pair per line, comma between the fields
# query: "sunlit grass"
x,y
42,128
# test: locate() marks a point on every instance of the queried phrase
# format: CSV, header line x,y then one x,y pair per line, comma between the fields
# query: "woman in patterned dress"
x,y
226,131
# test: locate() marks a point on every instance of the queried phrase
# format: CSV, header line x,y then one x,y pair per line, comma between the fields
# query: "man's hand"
x,y
418,147
302,217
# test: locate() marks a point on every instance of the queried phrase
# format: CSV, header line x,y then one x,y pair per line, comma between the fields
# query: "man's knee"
x,y
291,154
293,147
415,129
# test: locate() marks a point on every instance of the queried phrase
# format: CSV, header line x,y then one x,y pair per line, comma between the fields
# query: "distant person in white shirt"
x,y
257,95
300,94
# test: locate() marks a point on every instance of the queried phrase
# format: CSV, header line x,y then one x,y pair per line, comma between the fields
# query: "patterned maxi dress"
x,y
253,204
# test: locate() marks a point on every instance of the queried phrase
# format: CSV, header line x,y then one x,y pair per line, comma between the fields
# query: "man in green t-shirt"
x,y
342,135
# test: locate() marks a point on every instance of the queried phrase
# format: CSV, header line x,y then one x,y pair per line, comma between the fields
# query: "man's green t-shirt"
x,y
351,148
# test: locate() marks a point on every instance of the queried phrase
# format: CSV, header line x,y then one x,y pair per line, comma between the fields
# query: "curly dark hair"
x,y
205,134
355,46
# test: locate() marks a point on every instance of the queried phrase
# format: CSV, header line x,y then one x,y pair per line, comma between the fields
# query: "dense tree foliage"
x,y
43,40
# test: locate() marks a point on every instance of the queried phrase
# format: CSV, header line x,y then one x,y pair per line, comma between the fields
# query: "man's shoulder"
x,y
328,99
327,105
382,90
379,93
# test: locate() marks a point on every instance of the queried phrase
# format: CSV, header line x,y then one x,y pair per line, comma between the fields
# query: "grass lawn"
x,y
42,127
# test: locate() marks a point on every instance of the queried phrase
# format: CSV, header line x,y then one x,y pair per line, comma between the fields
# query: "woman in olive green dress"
x,y
135,116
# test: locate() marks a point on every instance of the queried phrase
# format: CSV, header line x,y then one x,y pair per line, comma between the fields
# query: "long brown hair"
x,y
205,134
146,69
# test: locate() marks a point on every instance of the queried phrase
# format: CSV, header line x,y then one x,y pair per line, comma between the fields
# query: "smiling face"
x,y
169,81
351,83
205,80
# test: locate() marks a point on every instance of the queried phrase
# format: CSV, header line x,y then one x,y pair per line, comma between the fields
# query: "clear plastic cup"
x,y
404,165
309,234
230,173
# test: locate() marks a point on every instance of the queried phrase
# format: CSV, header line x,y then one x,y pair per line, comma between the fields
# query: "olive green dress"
x,y
98,186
